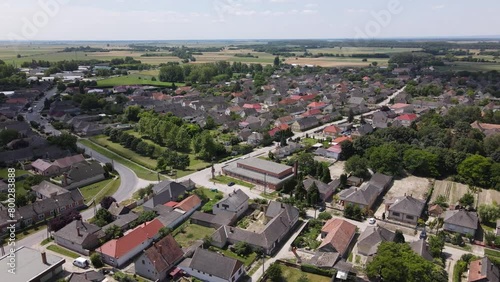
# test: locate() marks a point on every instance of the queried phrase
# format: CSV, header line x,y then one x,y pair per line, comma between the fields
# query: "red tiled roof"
x,y
116,248
288,101
316,105
409,117
312,112
342,139
335,149
277,129
340,234
252,106
170,204
332,129
189,203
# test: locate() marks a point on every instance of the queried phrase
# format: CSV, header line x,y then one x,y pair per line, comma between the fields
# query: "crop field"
x,y
132,79
361,50
470,66
336,61
452,191
488,197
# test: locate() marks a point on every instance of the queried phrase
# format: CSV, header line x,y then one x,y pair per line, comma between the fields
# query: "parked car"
x,y
81,262
230,184
371,220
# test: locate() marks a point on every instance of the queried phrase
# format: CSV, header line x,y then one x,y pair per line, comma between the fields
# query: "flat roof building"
x,y
260,172
32,266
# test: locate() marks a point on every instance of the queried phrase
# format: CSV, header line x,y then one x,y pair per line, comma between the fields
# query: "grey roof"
x,y
29,265
89,276
324,259
122,220
164,192
234,200
70,232
48,189
408,205
83,171
420,247
380,180
322,187
221,218
232,168
167,215
215,264
268,166
371,237
307,122
116,209
365,195
461,218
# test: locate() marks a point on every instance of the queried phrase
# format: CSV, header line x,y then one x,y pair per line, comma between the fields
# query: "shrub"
x,y
95,258
315,270
324,216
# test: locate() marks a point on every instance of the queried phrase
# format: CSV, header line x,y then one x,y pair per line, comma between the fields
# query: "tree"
x,y
107,201
353,212
277,61
397,262
64,141
489,237
313,195
357,166
326,176
421,162
399,238
385,159
324,216
489,213
114,232
436,245
96,261
8,135
476,170
347,150
274,272
242,248
103,217
350,116
171,73
343,180
467,200
164,231
132,113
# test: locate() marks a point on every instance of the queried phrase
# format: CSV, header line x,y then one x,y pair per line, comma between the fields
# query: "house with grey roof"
x,y
210,266
305,123
79,236
364,196
255,138
405,209
460,221
371,238
236,202
47,189
213,220
325,190
83,174
280,219
422,249
381,181
122,221
88,276
164,192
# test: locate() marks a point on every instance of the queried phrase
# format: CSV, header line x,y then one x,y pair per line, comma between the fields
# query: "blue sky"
x,y
244,19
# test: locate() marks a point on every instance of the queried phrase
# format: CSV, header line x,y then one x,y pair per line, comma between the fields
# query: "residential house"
x,y
325,260
435,210
122,221
364,197
325,190
164,192
422,249
406,119
332,131
337,236
402,108
213,220
289,149
79,236
82,174
483,270
88,276
236,202
354,181
47,189
460,221
405,209
486,128
371,238
118,251
117,209
381,181
279,218
44,168
210,266
156,261
31,265
362,130
255,138
305,123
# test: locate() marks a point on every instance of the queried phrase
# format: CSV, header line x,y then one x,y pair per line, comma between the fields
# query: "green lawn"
x,y
248,260
291,274
191,233
138,170
226,179
211,195
63,251
100,189
4,172
490,252
134,79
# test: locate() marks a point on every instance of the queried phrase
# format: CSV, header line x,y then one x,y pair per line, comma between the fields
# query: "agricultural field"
x,y
452,191
469,66
361,50
132,79
337,61
488,197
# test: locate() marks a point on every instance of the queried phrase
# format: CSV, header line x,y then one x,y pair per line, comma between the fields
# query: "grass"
x,y
100,189
270,196
30,230
226,179
291,274
191,233
490,252
134,79
63,251
141,172
45,241
248,260
4,172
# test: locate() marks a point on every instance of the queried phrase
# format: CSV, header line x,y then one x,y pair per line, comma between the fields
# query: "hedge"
x,y
315,270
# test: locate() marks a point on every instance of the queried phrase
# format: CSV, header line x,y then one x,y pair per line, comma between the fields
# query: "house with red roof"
x,y
332,131
287,102
317,105
277,129
119,251
313,112
337,236
341,139
256,107
156,262
402,108
407,119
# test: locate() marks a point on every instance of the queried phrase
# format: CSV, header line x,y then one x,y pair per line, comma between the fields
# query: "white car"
x,y
371,220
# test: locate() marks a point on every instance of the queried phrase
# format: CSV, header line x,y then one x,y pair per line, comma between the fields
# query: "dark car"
x,y
230,184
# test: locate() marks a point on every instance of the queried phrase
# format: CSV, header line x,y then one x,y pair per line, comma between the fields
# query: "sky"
x,y
245,19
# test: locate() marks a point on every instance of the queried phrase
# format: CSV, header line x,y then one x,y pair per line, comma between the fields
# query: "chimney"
x,y
296,168
65,179
78,232
44,258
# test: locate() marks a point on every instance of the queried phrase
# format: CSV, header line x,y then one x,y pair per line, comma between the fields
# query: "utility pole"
x,y
265,183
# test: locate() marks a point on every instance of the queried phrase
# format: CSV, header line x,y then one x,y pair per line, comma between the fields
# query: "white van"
x,y
81,262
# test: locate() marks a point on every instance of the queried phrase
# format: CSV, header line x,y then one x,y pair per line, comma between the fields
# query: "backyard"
x,y
100,189
213,195
247,260
452,191
190,233
292,274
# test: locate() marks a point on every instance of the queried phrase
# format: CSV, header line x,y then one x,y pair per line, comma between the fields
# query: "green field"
x,y
192,233
4,173
133,79
361,50
226,179
100,189
138,170
469,66
63,251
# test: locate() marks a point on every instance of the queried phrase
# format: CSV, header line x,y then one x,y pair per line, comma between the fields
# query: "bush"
x,y
324,216
274,272
95,258
315,270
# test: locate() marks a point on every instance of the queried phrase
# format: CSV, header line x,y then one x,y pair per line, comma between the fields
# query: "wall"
x,y
85,182
70,245
122,260
207,277
403,218
460,229
147,269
